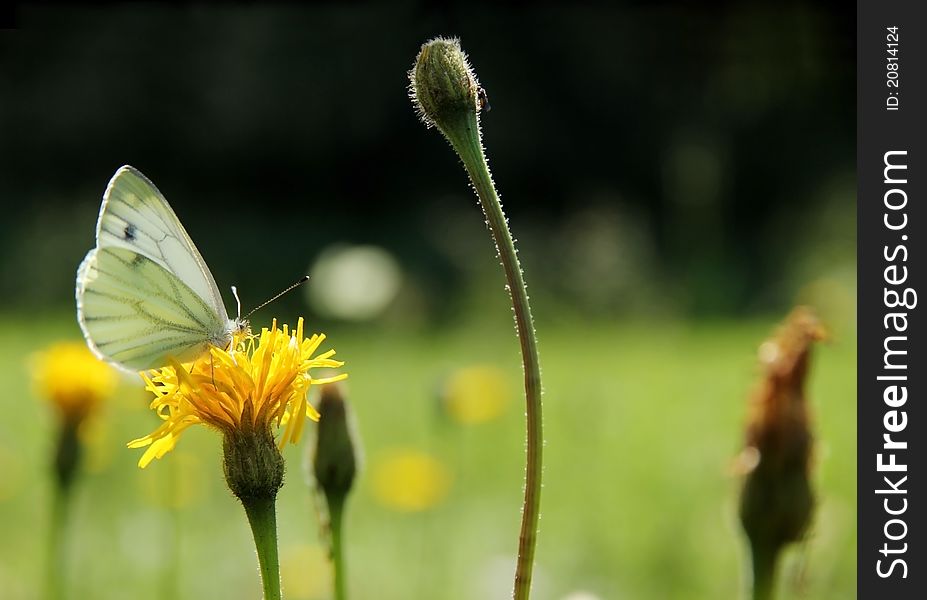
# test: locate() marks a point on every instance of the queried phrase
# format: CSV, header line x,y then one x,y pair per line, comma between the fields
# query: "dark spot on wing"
x,y
129,232
137,261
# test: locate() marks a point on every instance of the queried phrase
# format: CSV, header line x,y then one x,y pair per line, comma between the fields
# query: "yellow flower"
x,y
72,379
296,560
260,382
476,394
410,481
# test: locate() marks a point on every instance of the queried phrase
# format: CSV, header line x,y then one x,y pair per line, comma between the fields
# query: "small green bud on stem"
x,y
447,95
335,461
334,466
444,88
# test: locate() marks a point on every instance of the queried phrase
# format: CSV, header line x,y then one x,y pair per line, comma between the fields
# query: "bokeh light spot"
x,y
354,283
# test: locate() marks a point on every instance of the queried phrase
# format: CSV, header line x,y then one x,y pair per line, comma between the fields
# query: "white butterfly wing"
x,y
136,216
136,313
145,293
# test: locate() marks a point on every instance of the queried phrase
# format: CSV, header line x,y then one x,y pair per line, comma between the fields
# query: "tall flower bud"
x,y
335,459
777,500
443,87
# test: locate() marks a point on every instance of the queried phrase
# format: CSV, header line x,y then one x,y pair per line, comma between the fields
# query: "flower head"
x,y
74,380
260,383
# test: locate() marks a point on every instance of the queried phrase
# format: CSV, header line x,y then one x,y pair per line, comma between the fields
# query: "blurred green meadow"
x,y
677,176
642,421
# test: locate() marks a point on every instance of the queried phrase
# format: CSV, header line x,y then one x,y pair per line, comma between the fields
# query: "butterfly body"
x,y
144,293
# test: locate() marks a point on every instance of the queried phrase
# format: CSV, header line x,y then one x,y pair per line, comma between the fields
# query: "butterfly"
x,y
144,293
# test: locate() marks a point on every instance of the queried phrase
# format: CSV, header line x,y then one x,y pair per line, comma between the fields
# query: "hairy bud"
x,y
443,86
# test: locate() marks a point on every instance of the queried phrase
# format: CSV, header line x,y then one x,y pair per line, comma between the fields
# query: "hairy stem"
x,y
263,519
464,135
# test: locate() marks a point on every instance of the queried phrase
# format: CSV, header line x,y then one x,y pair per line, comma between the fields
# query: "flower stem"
x,y
65,468
464,135
54,578
335,520
263,519
764,571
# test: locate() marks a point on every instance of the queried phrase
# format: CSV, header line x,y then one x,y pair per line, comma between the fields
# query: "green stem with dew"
x,y
464,137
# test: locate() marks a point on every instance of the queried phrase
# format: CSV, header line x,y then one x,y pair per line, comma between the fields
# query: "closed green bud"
x,y
334,464
443,86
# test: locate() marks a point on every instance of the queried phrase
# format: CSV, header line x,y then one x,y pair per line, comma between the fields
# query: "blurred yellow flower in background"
x,y
297,561
259,383
475,394
409,480
75,381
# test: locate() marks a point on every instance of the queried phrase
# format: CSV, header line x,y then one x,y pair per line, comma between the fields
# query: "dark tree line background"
x,y
698,160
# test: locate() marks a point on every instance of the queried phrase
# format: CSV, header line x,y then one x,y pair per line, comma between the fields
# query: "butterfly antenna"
x,y
301,281
237,300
